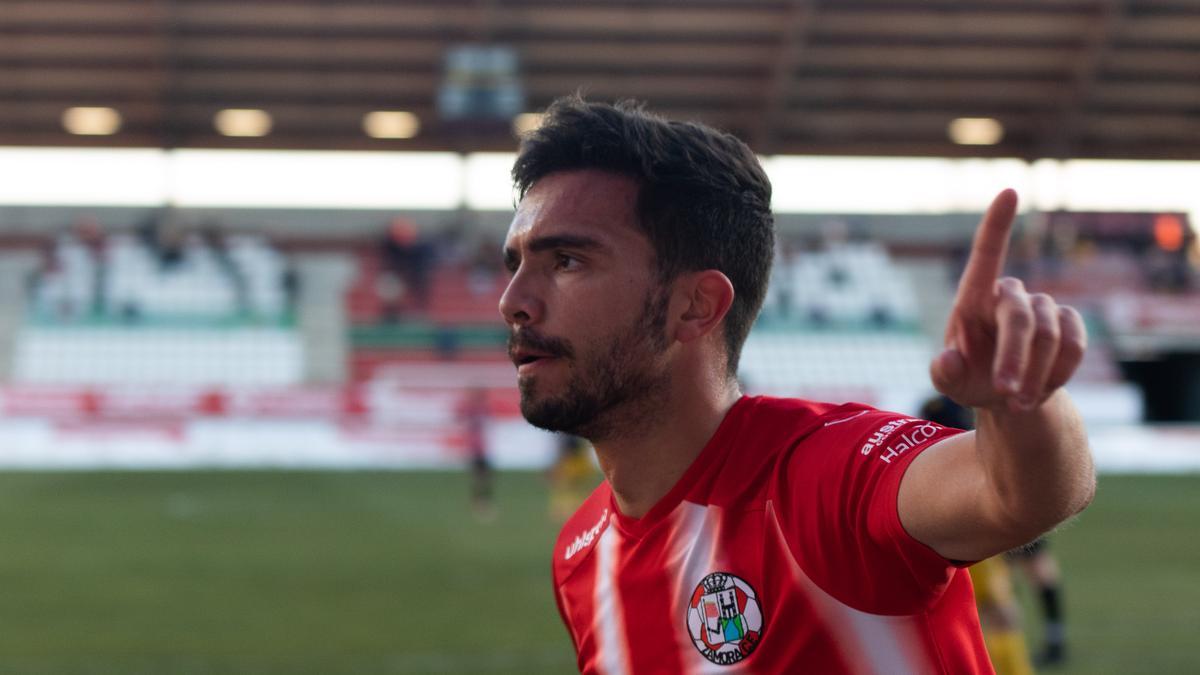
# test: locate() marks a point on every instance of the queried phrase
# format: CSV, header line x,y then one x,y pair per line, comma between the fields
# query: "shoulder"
x,y
816,429
790,422
579,534
766,436
767,420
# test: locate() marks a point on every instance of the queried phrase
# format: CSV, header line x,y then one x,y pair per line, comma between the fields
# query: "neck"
x,y
642,467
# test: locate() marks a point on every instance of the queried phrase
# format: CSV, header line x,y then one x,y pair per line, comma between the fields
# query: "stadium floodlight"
x,y
91,121
526,122
975,131
243,122
391,124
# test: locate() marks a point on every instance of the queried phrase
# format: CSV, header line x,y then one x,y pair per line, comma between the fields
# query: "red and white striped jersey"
x,y
780,550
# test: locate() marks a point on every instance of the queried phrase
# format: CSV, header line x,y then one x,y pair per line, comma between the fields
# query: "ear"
x,y
706,297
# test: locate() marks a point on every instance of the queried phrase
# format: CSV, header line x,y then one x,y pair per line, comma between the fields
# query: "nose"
x,y
520,305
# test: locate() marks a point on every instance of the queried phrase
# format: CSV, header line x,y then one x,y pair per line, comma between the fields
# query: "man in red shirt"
x,y
739,534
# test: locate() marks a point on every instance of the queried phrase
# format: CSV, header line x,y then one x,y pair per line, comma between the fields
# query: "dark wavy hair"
x,y
704,200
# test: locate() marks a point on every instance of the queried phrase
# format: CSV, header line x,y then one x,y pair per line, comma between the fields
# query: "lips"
x,y
521,358
527,362
529,350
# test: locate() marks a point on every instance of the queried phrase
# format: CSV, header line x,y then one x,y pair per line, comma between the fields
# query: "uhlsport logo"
x,y
725,618
584,539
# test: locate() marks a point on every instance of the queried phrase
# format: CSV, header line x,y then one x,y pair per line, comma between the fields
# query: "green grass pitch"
x,y
371,573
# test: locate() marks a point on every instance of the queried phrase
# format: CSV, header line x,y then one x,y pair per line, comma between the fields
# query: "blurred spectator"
x,y
391,291
409,258
290,283
71,280
90,234
446,342
213,235
482,268
165,237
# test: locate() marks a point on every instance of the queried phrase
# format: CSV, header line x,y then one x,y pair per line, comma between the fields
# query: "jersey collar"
x,y
708,461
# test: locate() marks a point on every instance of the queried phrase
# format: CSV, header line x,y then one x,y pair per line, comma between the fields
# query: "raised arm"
x,y
1027,466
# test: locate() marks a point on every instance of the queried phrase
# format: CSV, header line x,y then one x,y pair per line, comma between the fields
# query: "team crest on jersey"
x,y
725,618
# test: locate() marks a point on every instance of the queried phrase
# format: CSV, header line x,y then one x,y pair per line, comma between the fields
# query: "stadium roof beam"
x,y
1059,138
165,74
483,18
792,42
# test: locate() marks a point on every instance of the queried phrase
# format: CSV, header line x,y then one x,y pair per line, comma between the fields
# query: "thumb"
x,y
947,371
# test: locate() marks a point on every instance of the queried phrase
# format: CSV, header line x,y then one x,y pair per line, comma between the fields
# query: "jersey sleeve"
x,y
838,494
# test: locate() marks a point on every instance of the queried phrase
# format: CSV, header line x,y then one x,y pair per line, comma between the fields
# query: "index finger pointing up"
x,y
988,251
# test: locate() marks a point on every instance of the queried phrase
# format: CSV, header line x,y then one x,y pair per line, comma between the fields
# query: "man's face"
x,y
584,306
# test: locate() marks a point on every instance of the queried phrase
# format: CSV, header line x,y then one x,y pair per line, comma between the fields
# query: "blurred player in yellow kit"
x,y
999,614
572,477
1000,617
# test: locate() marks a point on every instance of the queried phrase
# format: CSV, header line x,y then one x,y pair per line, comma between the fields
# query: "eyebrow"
x,y
550,242
574,241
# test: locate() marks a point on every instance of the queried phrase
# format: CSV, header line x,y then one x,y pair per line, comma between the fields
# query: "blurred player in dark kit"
x,y
1042,572
474,414
769,535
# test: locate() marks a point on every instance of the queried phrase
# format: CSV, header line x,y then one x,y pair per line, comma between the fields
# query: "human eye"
x,y
511,263
565,261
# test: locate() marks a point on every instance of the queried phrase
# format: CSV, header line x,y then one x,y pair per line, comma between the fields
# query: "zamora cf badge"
x,y
724,618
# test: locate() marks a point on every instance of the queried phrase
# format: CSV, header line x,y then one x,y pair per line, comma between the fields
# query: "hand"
x,y
1005,348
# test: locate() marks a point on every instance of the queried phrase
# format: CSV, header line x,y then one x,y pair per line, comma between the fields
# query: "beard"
x,y
614,388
